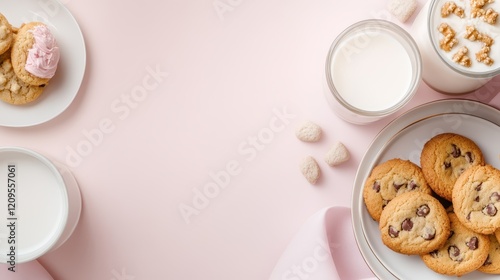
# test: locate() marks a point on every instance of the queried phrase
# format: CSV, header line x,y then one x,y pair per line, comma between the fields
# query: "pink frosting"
x,y
44,54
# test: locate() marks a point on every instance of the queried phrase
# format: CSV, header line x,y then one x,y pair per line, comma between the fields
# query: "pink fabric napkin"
x,y
324,249
27,271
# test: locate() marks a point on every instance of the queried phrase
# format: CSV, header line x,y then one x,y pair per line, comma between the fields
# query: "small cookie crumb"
x,y
310,169
449,40
490,16
402,9
337,154
480,3
461,57
308,131
483,56
451,8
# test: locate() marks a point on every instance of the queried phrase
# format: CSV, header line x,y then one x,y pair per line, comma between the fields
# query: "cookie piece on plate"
x,y
389,179
492,263
414,223
35,54
464,251
476,199
444,157
6,34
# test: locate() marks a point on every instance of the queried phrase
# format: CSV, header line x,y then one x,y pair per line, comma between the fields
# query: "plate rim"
x,y
82,58
412,116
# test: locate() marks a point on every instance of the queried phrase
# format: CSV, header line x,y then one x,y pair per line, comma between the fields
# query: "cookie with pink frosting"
x,y
6,34
35,54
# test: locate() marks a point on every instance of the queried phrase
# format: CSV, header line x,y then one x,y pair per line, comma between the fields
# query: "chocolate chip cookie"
x,y
464,251
492,263
476,199
444,157
390,179
414,223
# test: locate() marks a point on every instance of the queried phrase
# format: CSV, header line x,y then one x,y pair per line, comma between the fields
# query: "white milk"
x,y
40,206
439,71
372,71
373,77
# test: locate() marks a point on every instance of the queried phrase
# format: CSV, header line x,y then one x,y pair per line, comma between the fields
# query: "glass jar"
x,y
372,69
440,72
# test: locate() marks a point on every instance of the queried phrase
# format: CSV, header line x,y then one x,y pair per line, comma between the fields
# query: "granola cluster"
x,y
449,40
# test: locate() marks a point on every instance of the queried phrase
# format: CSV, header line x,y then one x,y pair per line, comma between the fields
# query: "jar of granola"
x,y
459,44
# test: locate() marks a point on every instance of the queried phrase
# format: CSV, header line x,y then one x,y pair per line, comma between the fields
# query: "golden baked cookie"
x,y
35,54
444,157
465,251
414,223
12,89
6,34
390,179
476,199
492,263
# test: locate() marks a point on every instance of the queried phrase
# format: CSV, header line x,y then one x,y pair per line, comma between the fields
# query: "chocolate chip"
x,y
451,234
407,224
468,216
454,253
429,233
393,232
478,187
412,185
376,186
447,165
490,210
472,243
487,261
434,253
476,199
397,186
495,197
468,157
423,210
456,151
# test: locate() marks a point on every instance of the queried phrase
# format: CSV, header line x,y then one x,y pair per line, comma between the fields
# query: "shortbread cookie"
x,y
308,131
389,179
444,157
337,154
35,54
6,34
12,89
476,199
464,251
414,223
492,263
310,169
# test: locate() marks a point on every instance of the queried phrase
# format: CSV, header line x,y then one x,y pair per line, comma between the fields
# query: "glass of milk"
x,y
373,69
40,205
440,72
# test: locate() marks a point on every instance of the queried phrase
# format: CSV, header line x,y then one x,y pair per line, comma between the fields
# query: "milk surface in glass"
x,y
372,71
440,71
39,207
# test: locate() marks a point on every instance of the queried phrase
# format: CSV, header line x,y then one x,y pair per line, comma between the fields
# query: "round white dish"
x,y
63,88
404,138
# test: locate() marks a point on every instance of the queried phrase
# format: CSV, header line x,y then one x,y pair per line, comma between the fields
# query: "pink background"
x,y
229,73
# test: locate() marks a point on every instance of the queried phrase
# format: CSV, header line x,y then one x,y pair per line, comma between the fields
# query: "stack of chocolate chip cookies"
x,y
445,210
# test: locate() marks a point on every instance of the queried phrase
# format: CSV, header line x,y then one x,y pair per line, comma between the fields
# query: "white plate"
x,y
404,138
62,89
